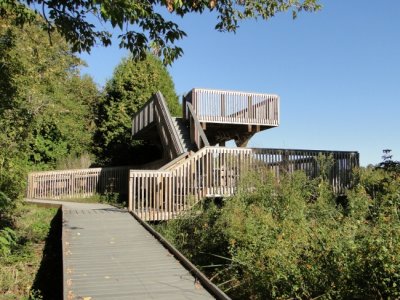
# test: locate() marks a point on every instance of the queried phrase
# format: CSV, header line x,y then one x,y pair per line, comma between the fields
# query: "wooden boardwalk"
x,y
107,254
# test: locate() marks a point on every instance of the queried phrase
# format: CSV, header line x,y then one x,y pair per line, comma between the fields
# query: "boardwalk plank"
x,y
108,255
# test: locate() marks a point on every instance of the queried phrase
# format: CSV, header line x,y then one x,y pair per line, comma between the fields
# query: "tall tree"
x,y
143,28
45,106
132,85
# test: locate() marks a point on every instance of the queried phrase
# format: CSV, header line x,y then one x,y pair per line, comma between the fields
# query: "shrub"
x,y
5,204
292,238
8,240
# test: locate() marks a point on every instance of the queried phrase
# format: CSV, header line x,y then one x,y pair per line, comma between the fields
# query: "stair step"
x,y
183,132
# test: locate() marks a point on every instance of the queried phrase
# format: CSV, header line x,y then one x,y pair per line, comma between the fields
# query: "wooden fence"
x,y
215,171
210,172
217,106
77,183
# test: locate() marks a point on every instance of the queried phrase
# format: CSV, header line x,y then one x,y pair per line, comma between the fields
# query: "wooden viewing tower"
x,y
195,162
193,167
209,117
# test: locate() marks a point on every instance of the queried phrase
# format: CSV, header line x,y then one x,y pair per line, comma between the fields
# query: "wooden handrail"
x,y
144,117
78,183
175,161
197,134
212,171
156,110
215,171
166,120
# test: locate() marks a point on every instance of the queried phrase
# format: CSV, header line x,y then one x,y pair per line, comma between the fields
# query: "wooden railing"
x,y
197,134
215,171
144,117
79,183
156,110
216,106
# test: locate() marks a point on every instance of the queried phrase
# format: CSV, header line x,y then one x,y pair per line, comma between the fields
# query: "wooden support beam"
x,y
243,140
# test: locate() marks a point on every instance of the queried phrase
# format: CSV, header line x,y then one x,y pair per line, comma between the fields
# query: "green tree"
x,y
142,27
132,85
388,163
46,108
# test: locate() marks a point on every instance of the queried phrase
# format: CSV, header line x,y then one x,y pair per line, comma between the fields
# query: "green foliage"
x,y
46,108
325,164
382,191
294,239
196,235
113,198
83,161
6,205
152,31
21,250
35,295
13,155
132,85
389,164
8,240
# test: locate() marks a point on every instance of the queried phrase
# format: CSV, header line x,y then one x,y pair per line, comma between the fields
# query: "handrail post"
x,y
130,193
222,105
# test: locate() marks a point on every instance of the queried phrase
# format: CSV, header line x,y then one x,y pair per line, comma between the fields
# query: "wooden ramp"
x,y
108,254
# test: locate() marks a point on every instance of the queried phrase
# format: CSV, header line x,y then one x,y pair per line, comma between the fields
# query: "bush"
x,y
8,240
5,204
197,235
293,238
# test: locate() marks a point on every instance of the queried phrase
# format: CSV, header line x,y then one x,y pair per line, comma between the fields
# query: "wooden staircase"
x,y
182,127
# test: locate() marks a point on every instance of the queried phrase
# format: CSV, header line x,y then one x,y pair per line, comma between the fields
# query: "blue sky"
x,y
337,73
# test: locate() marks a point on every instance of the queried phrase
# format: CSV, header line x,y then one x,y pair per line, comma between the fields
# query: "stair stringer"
x,y
156,112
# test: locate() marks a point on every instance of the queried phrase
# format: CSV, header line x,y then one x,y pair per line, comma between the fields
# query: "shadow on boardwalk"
x,y
48,279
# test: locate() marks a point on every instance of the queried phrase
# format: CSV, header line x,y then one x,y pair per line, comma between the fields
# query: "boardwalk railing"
x,y
211,172
215,171
156,110
216,106
77,183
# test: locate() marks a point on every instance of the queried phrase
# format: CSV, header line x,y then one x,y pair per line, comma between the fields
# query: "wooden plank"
x,y
107,254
